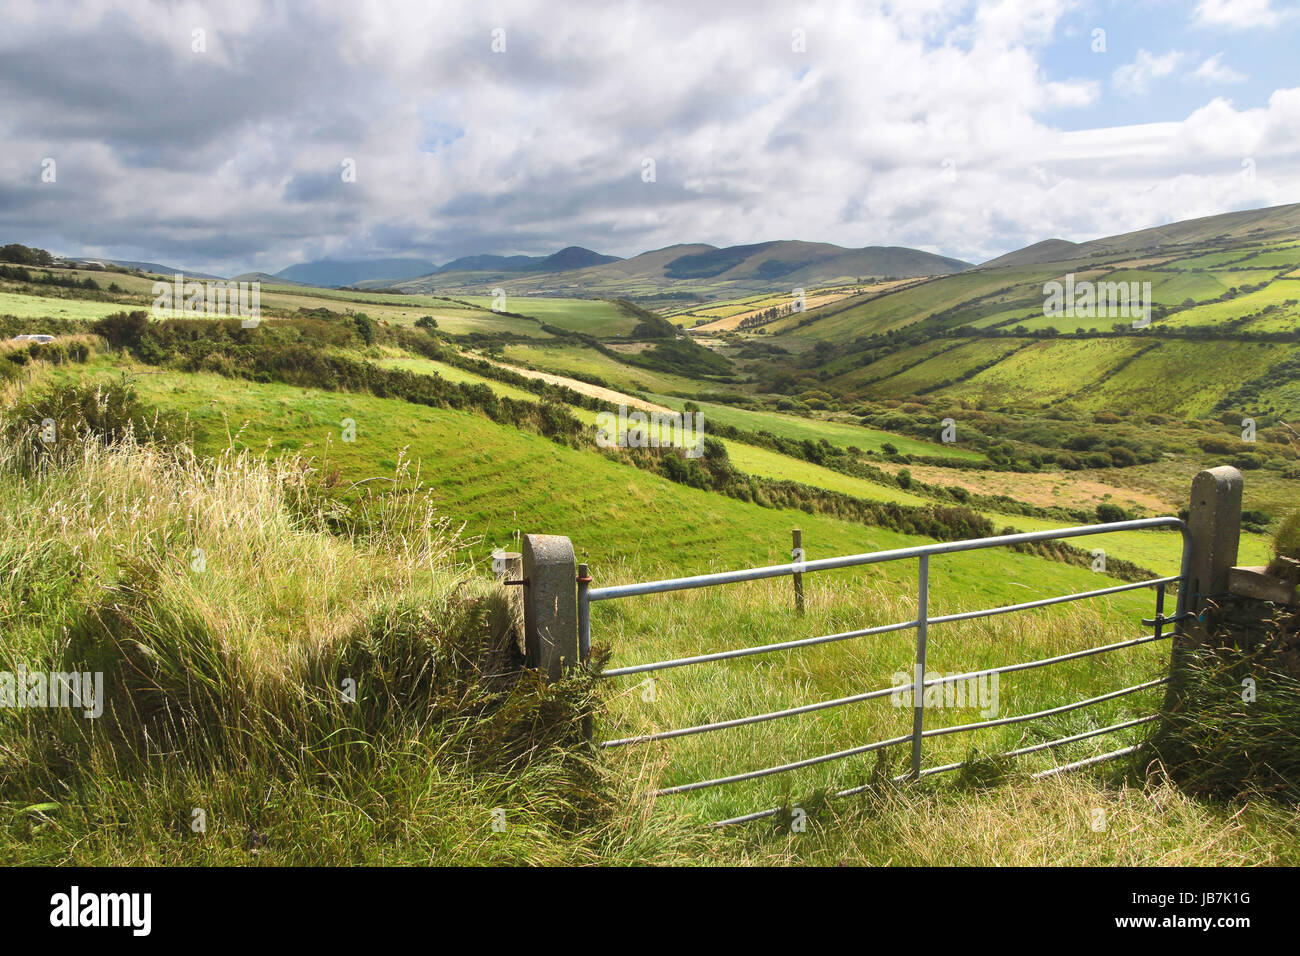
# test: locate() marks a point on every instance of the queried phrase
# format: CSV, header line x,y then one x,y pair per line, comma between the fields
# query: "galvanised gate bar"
x,y
587,595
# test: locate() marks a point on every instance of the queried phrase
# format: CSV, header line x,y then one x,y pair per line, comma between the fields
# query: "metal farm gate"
x,y
587,595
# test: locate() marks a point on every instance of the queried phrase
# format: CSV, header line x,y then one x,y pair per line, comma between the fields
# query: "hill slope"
x,y
1265,223
332,273
698,268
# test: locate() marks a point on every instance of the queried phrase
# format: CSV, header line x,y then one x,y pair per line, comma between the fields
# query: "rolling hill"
x,y
687,268
1264,223
332,273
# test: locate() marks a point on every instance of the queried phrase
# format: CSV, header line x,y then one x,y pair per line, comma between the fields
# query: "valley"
x,y
884,412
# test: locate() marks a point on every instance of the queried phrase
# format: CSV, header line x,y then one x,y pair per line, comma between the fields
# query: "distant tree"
x,y
24,255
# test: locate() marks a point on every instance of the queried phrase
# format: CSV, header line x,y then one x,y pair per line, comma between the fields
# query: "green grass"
x,y
1178,378
756,614
852,374
1218,313
946,366
423,366
500,480
842,434
411,795
748,458
1043,371
1148,549
888,311
582,363
452,318
592,316
39,307
769,464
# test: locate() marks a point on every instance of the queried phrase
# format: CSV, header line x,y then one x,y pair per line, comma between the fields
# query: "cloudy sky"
x,y
245,135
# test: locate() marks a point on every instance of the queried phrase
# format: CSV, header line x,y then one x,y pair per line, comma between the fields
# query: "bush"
x,y
1107,513
1122,457
122,330
69,415
1286,540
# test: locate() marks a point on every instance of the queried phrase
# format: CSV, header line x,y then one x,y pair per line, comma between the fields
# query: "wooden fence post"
x,y
797,556
1214,523
550,604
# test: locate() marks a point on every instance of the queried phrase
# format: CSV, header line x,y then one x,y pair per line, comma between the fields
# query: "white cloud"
x,y
460,150
1134,79
1214,70
1238,14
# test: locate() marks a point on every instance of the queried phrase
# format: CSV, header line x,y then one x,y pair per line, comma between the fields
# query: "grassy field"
x,y
327,554
38,307
1178,378
292,607
1219,313
943,367
1148,549
423,366
842,434
452,317
593,316
689,696
1041,371
492,482
849,372
583,363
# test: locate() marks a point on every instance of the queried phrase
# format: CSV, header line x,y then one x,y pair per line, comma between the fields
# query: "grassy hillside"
x,y
283,610
345,474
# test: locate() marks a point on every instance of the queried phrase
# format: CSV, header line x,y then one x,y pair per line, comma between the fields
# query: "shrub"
x,y
122,330
1286,540
66,416
1107,513
1122,457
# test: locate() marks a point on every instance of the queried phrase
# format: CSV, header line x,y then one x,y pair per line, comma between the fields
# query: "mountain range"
x,y
699,270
